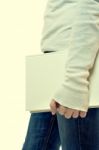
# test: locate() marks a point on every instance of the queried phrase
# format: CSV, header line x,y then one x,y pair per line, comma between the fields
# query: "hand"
x,y
67,112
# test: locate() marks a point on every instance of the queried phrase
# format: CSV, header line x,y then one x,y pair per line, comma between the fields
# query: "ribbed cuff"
x,y
71,99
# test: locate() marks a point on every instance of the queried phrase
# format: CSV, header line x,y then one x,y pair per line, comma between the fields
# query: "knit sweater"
x,y
73,25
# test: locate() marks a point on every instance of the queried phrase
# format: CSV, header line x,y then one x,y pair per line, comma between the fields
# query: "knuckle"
x,y
82,115
75,116
67,116
61,112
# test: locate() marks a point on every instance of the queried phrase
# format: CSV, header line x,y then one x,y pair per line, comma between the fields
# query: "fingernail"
x,y
53,113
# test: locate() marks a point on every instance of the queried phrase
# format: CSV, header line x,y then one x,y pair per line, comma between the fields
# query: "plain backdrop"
x,y
21,24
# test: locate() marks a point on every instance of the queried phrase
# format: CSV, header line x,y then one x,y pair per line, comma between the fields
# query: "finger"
x,y
68,113
75,114
83,114
61,110
53,106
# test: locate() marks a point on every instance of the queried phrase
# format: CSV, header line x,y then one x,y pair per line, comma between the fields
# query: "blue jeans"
x,y
42,133
80,133
48,132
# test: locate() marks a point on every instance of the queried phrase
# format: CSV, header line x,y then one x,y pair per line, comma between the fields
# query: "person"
x,y
71,25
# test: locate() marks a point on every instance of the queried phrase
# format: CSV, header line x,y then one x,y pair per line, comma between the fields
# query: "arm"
x,y
84,44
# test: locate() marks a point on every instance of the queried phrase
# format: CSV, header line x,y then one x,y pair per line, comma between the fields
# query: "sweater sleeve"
x,y
83,47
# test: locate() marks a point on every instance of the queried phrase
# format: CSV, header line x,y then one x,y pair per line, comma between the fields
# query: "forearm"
x,y
84,44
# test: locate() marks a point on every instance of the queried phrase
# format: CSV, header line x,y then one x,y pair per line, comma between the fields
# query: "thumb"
x,y
53,106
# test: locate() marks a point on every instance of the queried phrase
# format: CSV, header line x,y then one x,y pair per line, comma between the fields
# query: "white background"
x,y
21,24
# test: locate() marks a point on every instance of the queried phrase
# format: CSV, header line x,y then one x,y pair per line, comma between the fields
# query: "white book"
x,y
45,73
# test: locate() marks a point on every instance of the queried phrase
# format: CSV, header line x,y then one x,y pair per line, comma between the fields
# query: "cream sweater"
x,y
73,25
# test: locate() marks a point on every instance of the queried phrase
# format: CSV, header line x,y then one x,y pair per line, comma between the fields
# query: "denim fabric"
x,y
42,133
49,132
80,133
